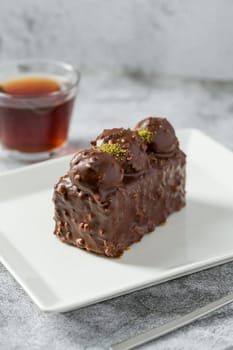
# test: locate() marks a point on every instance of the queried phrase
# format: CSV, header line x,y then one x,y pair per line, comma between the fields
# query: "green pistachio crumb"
x,y
111,148
145,134
152,156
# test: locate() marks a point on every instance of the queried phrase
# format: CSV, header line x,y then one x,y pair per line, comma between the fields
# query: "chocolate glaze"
x,y
135,158
95,172
102,205
164,141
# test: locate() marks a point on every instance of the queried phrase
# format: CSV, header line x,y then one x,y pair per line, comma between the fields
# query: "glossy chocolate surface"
x,y
134,158
164,140
105,203
93,171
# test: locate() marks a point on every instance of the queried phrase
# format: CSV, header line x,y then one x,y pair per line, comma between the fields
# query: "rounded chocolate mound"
x,y
158,134
126,146
95,171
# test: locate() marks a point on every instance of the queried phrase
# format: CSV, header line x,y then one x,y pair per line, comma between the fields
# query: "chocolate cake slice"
x,y
128,183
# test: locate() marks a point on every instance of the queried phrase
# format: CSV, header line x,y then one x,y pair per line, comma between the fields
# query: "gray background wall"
x,y
183,37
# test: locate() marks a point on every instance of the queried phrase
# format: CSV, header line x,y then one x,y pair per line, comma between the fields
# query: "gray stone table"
x,y
107,101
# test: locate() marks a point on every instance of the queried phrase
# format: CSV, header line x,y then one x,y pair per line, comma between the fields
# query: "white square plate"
x,y
59,277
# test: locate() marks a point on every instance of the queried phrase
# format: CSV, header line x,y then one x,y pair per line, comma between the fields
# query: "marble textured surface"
x,y
180,37
107,101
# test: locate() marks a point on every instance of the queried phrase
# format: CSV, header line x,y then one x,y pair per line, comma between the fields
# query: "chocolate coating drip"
x,y
106,203
134,159
163,141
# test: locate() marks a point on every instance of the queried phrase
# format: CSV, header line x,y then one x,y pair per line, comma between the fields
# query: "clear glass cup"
x,y
36,103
